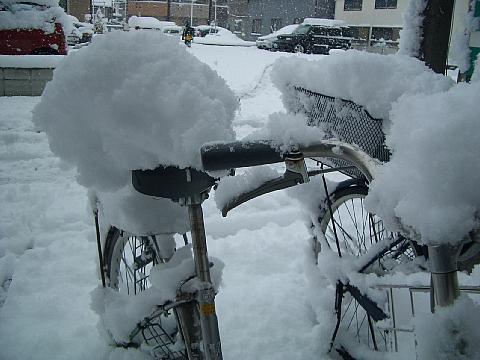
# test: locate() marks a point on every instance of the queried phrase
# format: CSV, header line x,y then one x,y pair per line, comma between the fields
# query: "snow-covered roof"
x,y
324,22
284,30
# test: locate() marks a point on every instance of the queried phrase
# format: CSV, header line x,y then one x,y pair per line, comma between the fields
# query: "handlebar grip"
x,y
225,156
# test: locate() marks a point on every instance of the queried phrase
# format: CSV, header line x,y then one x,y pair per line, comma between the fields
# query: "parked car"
x,y
172,30
148,23
266,41
316,36
81,33
222,36
32,29
204,30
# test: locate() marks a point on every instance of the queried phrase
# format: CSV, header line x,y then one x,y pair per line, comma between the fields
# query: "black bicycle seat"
x,y
171,182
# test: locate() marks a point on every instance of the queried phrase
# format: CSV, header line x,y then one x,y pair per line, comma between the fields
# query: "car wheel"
x,y
299,49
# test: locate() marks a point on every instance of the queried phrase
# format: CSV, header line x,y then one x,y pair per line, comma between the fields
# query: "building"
x,y
249,19
196,12
376,24
77,8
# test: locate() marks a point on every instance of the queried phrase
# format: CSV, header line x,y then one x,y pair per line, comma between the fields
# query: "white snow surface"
x,y
110,113
372,80
431,181
411,33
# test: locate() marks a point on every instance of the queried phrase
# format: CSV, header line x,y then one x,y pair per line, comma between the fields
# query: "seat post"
x,y
206,293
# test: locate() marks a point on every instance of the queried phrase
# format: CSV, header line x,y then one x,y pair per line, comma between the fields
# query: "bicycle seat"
x,y
171,182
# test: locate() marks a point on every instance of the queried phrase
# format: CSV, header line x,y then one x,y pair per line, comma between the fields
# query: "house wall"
x,y
180,11
368,19
369,16
244,13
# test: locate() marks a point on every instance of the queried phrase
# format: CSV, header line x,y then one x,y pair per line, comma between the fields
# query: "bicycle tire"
x,y
128,260
357,231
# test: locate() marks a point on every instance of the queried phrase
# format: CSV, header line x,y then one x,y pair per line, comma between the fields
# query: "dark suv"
x,y
315,39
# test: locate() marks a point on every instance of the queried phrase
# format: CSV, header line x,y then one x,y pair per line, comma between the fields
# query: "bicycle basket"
x,y
343,120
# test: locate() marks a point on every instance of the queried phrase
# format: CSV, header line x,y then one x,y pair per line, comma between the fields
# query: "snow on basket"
x,y
133,100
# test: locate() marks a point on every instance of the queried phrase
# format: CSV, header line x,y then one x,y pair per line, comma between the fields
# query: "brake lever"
x,y
295,174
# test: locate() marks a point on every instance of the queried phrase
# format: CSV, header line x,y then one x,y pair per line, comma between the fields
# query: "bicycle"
x,y
194,322
129,259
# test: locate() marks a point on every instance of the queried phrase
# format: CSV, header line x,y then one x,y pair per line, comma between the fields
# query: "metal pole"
x,y
99,248
443,263
191,14
206,296
436,34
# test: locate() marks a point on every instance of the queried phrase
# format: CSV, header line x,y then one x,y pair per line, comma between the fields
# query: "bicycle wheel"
x,y
128,260
350,229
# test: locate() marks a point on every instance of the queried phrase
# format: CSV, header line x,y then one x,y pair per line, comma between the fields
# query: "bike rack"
x,y
403,307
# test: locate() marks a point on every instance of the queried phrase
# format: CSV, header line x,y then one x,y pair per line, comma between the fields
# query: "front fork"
x,y
206,294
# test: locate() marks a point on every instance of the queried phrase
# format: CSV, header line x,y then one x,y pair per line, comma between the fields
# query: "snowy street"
x,y
274,302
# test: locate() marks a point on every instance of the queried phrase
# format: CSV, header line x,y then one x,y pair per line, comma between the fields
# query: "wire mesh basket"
x,y
343,120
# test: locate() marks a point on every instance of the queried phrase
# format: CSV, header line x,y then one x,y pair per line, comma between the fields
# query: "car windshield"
x,y
301,29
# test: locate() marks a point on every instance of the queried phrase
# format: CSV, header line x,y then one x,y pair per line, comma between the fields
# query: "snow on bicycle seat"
x,y
171,182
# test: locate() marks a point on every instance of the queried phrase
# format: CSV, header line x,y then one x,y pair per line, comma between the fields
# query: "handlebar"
x,y
224,156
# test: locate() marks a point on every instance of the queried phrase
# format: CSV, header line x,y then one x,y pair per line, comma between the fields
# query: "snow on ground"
x,y
273,304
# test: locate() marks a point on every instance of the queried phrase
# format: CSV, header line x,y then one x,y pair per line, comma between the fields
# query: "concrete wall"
x,y
23,82
26,75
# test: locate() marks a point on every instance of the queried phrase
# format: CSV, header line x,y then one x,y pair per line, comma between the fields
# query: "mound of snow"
x,y
134,100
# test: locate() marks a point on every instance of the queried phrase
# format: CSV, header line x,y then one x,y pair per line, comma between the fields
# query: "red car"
x,y
31,29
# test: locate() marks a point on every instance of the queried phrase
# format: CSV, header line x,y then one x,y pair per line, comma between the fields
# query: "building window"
x,y
353,5
379,33
238,26
297,20
257,26
276,24
385,4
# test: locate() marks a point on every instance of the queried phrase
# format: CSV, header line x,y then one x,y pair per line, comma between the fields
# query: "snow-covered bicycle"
x,y
131,262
